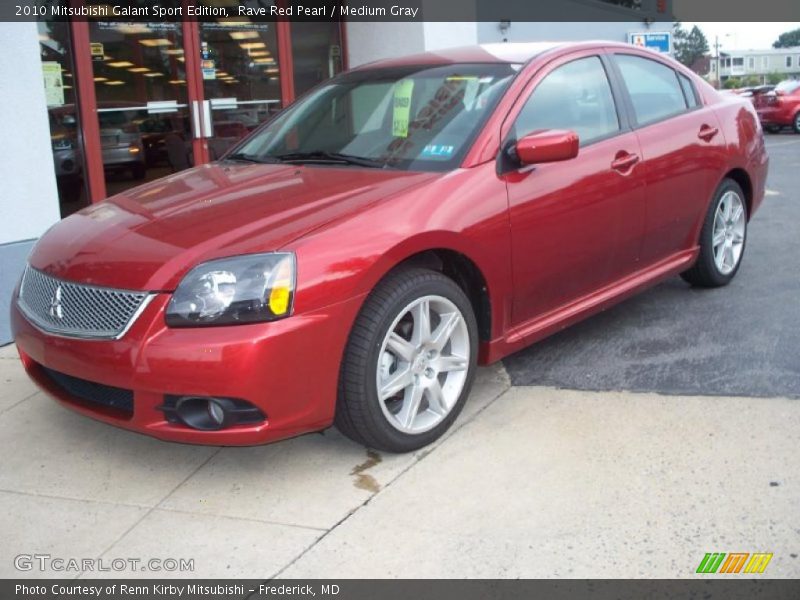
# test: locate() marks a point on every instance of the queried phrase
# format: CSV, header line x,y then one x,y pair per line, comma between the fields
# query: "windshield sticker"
x,y
437,151
402,108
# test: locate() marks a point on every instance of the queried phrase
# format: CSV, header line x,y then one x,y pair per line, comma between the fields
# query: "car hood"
x,y
148,237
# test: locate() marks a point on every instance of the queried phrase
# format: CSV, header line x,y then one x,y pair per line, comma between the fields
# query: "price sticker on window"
x,y
402,107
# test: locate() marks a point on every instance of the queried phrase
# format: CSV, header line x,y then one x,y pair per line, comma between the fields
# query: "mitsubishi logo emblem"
x,y
56,309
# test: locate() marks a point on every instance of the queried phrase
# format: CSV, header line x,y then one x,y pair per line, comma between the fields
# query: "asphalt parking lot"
x,y
628,446
742,340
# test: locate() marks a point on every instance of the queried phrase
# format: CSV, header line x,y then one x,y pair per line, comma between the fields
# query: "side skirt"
x,y
562,317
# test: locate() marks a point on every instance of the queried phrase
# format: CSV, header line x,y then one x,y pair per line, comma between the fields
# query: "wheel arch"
x,y
741,177
449,255
466,274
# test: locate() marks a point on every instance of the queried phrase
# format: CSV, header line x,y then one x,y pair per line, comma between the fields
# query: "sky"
x,y
743,36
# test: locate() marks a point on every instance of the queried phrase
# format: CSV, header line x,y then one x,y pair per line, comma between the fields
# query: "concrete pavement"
x,y
531,482
549,483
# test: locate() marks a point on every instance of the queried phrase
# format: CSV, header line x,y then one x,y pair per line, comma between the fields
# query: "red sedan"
x,y
780,108
356,257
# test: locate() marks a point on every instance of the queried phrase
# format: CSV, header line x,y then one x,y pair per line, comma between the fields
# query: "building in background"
x,y
94,108
753,67
90,109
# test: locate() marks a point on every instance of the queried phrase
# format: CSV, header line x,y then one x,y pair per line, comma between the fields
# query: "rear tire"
x,y
772,128
402,382
722,238
796,123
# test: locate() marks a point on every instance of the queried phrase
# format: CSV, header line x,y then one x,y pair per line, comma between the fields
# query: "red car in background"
x,y
355,258
781,107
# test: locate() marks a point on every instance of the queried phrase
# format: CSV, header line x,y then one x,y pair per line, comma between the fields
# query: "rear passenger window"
x,y
653,88
688,91
575,96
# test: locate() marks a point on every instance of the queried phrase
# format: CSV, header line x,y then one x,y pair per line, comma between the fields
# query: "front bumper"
x,y
289,369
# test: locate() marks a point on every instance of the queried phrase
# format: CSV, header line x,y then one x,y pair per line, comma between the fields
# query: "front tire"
x,y
409,363
796,123
722,239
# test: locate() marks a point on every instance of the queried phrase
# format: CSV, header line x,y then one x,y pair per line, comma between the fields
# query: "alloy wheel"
x,y
423,364
729,232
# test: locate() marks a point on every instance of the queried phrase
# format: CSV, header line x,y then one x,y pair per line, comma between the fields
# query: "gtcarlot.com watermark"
x,y
57,564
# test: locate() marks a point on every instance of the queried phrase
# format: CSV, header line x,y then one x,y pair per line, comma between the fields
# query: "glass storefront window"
x,y
316,53
150,123
65,138
142,101
241,78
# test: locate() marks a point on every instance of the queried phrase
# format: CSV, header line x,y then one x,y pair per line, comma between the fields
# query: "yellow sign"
x,y
402,107
53,83
97,51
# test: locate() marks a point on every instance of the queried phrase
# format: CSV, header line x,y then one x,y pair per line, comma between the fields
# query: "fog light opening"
x,y
207,414
216,413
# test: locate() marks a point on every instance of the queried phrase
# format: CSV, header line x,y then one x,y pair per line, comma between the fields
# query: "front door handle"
x,y
624,161
707,133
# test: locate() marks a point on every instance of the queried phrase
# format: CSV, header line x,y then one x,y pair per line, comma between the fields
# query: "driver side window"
x,y
575,96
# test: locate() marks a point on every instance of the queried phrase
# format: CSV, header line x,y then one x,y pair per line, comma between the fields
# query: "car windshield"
x,y
412,118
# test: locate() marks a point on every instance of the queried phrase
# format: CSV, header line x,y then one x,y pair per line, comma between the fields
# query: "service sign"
x,y
652,40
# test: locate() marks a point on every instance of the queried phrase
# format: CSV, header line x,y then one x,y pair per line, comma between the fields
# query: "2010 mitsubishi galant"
x,y
354,259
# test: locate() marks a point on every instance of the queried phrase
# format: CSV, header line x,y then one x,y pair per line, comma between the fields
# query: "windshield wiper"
x,y
251,158
334,157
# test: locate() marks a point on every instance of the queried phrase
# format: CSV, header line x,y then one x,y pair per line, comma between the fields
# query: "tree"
x,y
788,39
689,46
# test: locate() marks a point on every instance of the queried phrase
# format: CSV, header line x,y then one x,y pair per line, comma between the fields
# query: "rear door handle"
x,y
707,133
624,162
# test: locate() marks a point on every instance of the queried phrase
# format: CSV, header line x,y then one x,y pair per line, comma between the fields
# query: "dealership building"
x,y
91,108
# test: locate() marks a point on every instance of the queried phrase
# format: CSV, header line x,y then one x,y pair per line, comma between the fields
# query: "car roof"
x,y
502,53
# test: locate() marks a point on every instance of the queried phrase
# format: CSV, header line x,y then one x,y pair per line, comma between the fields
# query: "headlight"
x,y
231,291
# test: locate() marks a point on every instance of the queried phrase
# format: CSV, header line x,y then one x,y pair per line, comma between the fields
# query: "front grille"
x,y
95,393
78,310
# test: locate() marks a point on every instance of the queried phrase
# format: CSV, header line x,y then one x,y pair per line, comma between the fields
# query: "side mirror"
x,y
551,145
